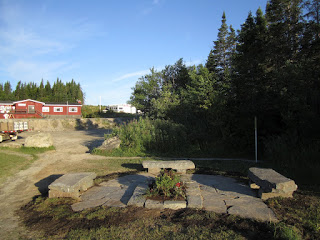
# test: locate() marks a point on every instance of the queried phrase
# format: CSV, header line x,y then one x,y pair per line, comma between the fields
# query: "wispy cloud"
x,y
30,51
131,75
151,6
29,71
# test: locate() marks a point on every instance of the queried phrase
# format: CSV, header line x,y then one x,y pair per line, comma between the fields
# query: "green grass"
x,y
13,160
9,164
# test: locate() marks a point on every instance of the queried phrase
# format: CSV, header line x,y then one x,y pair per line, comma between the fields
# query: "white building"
x,y
125,108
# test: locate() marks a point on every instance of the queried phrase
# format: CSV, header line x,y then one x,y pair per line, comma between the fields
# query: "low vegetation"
x,y
14,159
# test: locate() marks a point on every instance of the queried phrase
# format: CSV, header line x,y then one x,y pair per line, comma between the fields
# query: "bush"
x,y
145,136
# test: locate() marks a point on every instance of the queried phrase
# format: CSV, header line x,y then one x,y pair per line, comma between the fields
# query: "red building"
x,y
34,109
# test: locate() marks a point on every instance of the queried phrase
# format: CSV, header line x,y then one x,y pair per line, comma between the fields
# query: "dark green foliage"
x,y
269,70
59,92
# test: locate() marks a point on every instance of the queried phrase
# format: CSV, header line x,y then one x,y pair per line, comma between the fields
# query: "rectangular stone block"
x,y
194,201
153,204
175,205
180,165
72,183
268,179
59,194
266,195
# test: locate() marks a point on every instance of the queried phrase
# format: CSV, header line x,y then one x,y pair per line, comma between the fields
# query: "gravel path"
x,y
72,147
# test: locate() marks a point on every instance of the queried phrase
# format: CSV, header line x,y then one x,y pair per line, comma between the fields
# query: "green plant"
x,y
167,184
284,231
147,137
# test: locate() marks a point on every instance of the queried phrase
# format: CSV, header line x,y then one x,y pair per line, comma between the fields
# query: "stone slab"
x,y
97,192
59,194
114,203
180,165
268,179
194,201
265,196
215,205
175,205
138,199
258,212
153,204
72,183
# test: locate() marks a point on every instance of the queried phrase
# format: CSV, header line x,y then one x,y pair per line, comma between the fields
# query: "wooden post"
x,y
256,138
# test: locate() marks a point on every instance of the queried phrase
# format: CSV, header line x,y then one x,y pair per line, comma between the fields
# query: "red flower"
x,y
178,184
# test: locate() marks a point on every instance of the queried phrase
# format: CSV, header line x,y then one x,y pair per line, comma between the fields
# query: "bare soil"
x,y
72,150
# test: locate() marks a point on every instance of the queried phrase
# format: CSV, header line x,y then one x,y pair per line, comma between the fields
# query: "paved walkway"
x,y
208,192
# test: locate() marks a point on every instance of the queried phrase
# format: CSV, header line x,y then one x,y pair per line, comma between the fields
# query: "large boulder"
x,y
111,143
40,140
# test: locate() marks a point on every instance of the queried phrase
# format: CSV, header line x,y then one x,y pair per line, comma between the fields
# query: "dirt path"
x,y
72,149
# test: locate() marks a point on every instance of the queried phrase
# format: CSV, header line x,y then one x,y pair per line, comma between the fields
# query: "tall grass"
x,y
145,136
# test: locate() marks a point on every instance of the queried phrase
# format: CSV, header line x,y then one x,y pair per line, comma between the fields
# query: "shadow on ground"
x,y
43,184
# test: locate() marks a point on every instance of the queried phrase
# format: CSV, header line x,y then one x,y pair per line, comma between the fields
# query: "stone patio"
x,y
208,192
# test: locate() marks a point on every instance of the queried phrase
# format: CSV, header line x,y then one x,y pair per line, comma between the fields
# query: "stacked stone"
x,y
270,183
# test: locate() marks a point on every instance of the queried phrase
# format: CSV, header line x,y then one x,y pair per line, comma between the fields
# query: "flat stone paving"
x,y
208,192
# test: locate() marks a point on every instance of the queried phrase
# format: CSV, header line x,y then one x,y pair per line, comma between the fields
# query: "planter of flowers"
x,y
166,191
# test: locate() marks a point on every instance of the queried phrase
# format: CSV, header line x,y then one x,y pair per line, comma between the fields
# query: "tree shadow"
x,y
135,166
85,125
43,184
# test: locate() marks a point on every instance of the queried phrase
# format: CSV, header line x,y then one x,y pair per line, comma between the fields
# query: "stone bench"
x,y
71,185
270,183
154,167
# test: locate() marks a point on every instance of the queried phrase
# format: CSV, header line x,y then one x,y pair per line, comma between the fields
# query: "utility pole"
x,y
256,137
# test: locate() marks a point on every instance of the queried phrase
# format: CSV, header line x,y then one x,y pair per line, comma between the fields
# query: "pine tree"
x,y
7,90
219,59
1,92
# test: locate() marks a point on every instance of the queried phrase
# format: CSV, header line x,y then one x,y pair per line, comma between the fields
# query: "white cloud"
x,y
131,75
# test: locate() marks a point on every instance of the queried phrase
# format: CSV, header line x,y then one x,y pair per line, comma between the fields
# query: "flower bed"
x,y
167,186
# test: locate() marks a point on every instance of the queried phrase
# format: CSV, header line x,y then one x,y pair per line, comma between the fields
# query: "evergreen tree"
x,y
7,90
219,59
1,92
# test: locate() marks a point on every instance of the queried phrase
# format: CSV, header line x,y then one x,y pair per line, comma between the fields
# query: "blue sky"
x,y
107,45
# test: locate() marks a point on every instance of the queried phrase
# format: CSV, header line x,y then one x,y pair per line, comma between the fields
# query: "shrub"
x,y
146,136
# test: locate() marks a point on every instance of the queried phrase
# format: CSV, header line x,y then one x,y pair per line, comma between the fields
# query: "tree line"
x,y
58,92
269,69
